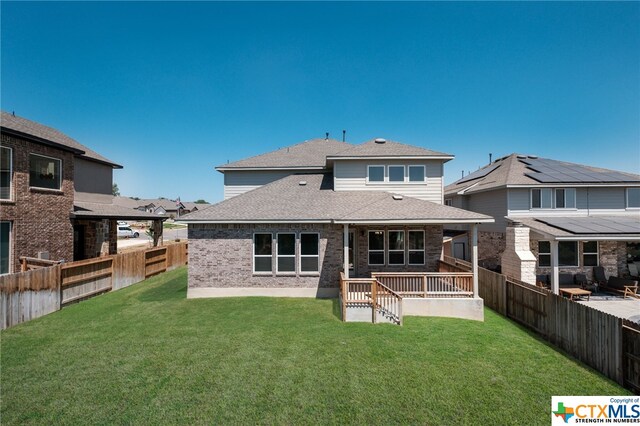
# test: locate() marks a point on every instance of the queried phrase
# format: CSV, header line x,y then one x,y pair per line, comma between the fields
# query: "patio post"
x,y
555,274
474,260
345,248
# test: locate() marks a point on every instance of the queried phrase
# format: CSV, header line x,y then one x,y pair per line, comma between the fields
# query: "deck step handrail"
x,y
386,302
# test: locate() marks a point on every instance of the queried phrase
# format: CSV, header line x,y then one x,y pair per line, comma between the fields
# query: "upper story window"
x,y
375,173
6,173
416,173
448,202
633,198
396,173
548,198
45,172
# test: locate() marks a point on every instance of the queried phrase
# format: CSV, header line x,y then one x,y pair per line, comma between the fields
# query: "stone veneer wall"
x,y
100,238
221,256
433,250
39,217
491,246
612,256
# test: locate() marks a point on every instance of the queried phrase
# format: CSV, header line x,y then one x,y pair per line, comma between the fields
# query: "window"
x,y
448,202
568,253
286,247
566,198
262,253
376,247
375,173
416,247
633,198
44,172
544,253
416,173
5,173
590,253
5,244
541,198
396,247
309,252
396,173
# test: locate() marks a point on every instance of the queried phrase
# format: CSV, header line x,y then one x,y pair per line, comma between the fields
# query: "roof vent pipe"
x,y
380,140
344,135
490,155
326,136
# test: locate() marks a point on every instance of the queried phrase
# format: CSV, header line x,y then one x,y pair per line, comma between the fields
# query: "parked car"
x,y
127,232
122,223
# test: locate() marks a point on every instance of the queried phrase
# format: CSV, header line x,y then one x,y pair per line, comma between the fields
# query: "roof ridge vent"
x,y
379,140
397,197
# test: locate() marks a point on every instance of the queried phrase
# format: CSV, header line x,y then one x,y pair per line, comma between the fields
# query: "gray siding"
x,y
582,198
89,176
606,198
351,175
239,182
492,203
611,198
519,199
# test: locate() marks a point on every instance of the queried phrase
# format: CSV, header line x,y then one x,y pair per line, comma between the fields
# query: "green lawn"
x,y
147,355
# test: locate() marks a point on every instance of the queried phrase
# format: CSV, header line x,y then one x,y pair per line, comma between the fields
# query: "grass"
x,y
173,226
147,355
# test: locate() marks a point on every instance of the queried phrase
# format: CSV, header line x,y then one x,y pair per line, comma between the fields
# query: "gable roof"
x,y
380,147
523,170
309,154
315,201
49,136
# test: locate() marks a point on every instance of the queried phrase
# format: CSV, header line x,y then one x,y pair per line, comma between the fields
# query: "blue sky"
x,y
171,90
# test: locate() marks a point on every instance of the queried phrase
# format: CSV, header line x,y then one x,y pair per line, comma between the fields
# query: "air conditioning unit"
x,y
44,255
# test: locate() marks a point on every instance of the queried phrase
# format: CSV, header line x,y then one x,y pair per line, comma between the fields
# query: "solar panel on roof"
x,y
551,171
595,225
479,173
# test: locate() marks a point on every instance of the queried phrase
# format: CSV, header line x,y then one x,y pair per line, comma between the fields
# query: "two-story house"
x,y
578,216
55,196
295,218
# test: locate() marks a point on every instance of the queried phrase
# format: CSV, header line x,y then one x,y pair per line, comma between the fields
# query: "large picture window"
x,y
286,247
568,253
376,247
309,252
262,253
6,173
416,247
5,247
44,172
396,247
590,253
544,253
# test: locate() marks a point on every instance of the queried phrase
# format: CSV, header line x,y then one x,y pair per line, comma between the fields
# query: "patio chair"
x,y
542,280
633,269
581,280
566,281
599,276
626,286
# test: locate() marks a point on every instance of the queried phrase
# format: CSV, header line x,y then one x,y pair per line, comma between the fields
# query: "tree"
x,y
201,201
114,190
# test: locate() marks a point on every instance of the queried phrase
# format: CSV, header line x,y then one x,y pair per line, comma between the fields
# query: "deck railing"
x,y
428,284
370,292
387,303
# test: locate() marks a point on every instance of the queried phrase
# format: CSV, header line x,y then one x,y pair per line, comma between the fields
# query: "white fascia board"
x,y
631,237
393,157
231,222
225,169
413,221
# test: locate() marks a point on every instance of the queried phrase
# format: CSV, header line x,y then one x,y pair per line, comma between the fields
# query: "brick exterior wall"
x,y
222,256
491,246
433,250
40,218
100,237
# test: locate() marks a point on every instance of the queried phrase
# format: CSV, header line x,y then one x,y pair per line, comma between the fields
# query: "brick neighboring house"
x,y
55,196
567,214
161,206
294,218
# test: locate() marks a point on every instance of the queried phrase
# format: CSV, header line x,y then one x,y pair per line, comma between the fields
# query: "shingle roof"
x,y
286,200
512,170
308,154
111,211
377,148
31,128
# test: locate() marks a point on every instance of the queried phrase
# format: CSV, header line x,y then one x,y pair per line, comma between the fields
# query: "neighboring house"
x,y
577,216
160,206
293,219
55,196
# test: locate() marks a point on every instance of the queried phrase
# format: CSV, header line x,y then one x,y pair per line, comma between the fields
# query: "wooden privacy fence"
x,y
28,295
608,344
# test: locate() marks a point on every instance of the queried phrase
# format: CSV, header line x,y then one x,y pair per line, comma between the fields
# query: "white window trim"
x,y
541,208
626,196
59,178
254,255
278,271
597,253
308,255
404,173
409,250
404,248
384,246
10,254
545,254
565,199
424,174
10,174
384,174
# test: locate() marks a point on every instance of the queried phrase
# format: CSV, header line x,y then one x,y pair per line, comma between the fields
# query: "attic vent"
x,y
302,183
521,157
533,157
380,140
398,197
